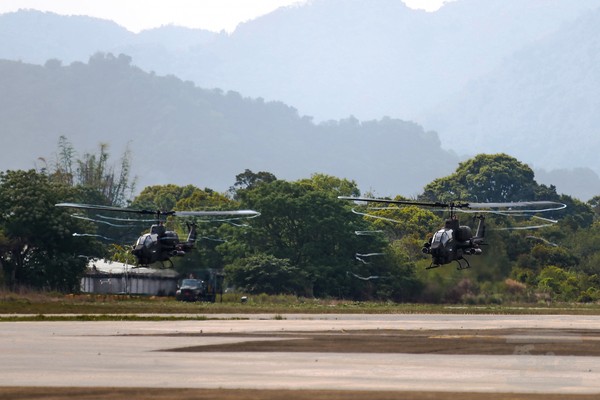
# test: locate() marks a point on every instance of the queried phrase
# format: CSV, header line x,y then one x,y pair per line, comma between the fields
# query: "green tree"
x,y
397,275
559,283
485,178
306,225
38,247
249,179
584,245
594,203
104,183
173,197
93,171
331,185
263,273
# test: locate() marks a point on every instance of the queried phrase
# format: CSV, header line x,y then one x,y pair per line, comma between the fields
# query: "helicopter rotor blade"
x,y
405,202
355,211
236,213
508,207
130,220
232,213
111,208
99,221
520,206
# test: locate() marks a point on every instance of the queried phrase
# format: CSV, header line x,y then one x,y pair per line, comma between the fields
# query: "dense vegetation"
x,y
307,242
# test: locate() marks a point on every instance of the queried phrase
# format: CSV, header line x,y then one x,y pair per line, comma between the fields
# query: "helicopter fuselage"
x,y
159,245
452,243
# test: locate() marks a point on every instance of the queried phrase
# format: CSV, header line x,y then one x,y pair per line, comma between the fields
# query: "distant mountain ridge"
x,y
354,52
181,134
540,104
478,72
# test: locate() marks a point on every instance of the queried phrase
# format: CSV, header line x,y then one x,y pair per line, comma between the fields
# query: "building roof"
x,y
106,267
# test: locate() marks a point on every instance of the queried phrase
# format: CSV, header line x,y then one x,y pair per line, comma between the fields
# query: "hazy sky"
x,y
136,15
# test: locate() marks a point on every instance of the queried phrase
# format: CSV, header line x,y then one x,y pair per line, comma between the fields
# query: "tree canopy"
x,y
485,178
307,242
38,246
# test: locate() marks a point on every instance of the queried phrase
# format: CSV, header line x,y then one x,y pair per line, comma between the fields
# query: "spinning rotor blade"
x,y
99,221
110,208
509,207
132,221
365,278
354,211
405,202
520,206
234,213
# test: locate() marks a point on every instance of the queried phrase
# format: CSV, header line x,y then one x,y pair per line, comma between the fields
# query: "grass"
x,y
45,306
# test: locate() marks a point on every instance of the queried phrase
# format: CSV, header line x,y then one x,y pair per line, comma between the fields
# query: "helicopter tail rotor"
x,y
192,235
480,233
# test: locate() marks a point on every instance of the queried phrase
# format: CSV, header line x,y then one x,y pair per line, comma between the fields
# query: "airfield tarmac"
x,y
316,356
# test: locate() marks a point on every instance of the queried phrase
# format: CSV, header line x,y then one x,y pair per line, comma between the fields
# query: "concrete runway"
x,y
124,354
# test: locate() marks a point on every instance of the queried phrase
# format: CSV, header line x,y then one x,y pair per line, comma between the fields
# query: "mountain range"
x,y
178,133
489,76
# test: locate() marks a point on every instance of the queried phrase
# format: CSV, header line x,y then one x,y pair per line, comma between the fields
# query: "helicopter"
x,y
453,241
160,244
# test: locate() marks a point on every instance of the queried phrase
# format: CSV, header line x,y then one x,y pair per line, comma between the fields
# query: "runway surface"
x,y
167,354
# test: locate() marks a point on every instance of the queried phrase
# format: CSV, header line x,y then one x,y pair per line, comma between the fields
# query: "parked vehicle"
x,y
191,290
194,289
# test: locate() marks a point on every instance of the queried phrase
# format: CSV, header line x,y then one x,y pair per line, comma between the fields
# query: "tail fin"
x,y
480,228
191,239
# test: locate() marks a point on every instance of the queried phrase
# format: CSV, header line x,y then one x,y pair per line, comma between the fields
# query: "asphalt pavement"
x,y
131,354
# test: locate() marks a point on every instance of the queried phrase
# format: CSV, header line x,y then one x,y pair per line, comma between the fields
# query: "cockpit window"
x,y
145,240
140,240
148,241
442,236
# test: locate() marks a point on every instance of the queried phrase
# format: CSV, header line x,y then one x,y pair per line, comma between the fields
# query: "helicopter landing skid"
x,y
462,266
432,266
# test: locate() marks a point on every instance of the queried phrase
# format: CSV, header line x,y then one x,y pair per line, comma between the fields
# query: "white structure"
x,y
108,277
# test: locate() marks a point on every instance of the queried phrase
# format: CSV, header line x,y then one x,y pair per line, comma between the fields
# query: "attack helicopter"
x,y
453,241
160,244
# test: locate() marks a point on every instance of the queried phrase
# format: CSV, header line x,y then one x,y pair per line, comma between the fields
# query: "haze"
x,y
137,15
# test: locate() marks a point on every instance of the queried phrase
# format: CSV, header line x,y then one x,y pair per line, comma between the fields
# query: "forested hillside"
x,y
181,134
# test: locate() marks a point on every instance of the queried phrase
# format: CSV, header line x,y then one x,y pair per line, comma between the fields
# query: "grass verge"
x,y
45,306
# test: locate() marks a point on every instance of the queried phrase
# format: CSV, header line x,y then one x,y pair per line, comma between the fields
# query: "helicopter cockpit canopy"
x,y
158,229
441,237
146,240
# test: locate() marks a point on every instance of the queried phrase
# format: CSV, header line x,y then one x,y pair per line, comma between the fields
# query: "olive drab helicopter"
x,y
454,241
160,244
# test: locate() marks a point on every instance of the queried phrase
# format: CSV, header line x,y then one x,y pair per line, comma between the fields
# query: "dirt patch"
x,y
485,342
52,393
